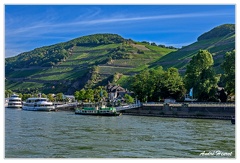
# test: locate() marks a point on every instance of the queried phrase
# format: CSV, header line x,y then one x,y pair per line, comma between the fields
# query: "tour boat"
x,y
96,110
14,102
38,104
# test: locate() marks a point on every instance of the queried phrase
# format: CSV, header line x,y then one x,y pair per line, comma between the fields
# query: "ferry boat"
x,y
90,109
38,104
14,102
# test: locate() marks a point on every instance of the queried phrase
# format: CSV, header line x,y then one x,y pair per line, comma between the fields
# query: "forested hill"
x,y
91,61
218,32
217,41
51,55
86,61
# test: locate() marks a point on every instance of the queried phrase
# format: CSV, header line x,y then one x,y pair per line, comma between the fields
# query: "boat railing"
x,y
131,106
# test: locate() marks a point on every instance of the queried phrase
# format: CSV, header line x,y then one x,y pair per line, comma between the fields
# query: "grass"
x,y
56,70
78,56
130,62
24,73
64,76
112,70
124,81
217,47
21,85
222,48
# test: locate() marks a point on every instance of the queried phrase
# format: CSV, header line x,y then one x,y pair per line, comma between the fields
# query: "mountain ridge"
x,y
217,46
82,62
93,60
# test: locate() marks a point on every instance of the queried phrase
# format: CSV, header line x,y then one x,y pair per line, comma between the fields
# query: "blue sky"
x,y
31,26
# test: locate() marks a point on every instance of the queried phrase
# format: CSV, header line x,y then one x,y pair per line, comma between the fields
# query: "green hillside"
x,y
90,61
87,61
217,41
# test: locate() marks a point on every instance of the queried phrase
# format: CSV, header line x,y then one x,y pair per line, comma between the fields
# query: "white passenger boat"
x,y
14,102
38,104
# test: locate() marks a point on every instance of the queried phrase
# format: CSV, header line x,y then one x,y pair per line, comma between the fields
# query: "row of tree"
x,y
157,84
160,45
91,95
98,39
97,95
86,95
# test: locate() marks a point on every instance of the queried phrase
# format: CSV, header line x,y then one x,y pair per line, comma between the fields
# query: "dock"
x,y
183,110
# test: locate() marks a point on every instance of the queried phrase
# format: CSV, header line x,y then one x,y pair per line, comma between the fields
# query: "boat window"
x,y
14,100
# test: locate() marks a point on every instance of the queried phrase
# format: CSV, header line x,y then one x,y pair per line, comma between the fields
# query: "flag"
x,y
191,92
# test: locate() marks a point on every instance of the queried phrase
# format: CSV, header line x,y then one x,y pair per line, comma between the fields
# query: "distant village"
x,y
116,94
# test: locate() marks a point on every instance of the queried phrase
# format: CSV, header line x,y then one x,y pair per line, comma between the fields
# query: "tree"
x,y
229,72
142,85
153,44
171,84
128,99
8,93
59,96
43,95
100,93
20,95
89,95
154,84
80,95
50,97
26,96
201,77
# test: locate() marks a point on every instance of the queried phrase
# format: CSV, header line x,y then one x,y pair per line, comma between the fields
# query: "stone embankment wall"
x,y
184,110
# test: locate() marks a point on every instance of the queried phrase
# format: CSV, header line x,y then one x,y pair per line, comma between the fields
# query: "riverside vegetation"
x,y
153,72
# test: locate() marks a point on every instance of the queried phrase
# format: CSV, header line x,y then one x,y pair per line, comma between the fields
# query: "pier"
x,y
183,110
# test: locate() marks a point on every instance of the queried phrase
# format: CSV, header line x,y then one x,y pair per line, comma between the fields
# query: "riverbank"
x,y
223,111
184,110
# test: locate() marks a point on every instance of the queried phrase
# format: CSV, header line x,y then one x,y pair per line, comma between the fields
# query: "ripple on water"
x,y
66,135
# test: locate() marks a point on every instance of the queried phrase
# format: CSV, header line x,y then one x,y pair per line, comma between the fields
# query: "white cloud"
x,y
23,29
41,27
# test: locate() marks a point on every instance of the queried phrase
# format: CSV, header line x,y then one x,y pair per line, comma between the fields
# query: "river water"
x,y
30,134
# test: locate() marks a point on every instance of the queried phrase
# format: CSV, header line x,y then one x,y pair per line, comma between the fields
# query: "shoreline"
x,y
196,111
220,112
176,116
